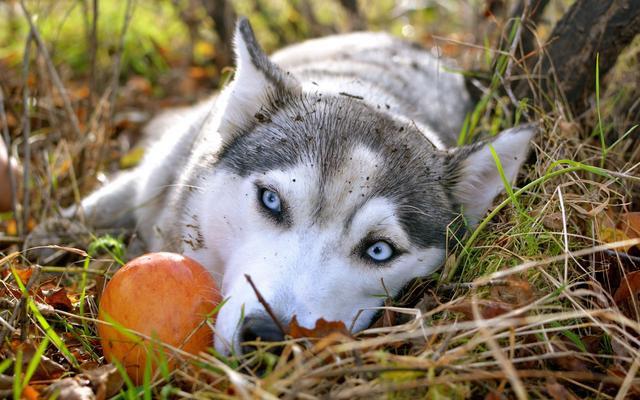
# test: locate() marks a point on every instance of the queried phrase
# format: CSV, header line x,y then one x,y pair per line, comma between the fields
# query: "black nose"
x,y
255,327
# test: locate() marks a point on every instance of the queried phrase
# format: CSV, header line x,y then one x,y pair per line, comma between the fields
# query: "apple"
x,y
164,296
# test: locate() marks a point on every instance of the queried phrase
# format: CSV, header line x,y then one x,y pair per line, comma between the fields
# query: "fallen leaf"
x,y
59,300
139,84
69,389
630,224
574,358
30,393
626,294
197,72
388,317
611,235
514,291
618,371
105,380
23,273
488,309
6,382
558,392
630,285
47,368
492,395
323,328
81,92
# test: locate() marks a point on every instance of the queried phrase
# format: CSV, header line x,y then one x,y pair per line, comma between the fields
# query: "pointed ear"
x,y
475,179
256,80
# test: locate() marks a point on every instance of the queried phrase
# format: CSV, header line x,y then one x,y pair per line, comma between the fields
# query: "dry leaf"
x,y
23,273
514,291
388,317
105,380
69,389
630,224
323,328
558,392
488,309
59,300
630,285
30,393
47,369
570,362
611,235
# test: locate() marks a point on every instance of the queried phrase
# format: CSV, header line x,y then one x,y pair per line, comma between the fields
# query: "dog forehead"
x,y
329,194
340,141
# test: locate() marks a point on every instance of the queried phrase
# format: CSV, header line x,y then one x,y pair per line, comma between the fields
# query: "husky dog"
x,y
327,173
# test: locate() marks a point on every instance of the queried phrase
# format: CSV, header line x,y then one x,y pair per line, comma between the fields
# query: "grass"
x,y
522,308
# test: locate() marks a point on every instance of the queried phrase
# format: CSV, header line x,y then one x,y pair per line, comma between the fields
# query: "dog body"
x,y
326,173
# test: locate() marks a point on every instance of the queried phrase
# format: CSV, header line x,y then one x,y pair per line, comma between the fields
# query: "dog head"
x,y
327,203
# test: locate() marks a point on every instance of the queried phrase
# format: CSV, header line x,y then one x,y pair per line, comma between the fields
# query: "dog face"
x,y
327,203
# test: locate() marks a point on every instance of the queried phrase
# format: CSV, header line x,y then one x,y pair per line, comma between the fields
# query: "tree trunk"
x,y
224,19
589,28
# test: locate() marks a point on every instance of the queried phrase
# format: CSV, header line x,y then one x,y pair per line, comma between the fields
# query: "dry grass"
x,y
523,308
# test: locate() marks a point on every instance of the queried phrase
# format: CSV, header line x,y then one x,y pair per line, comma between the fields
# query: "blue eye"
x,y
271,200
380,251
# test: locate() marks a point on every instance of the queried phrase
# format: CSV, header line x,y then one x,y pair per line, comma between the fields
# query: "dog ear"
x,y
256,79
475,180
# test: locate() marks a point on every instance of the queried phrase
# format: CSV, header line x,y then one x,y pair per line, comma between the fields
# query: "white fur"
x,y
480,179
308,270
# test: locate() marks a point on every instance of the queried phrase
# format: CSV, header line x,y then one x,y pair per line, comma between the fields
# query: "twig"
x,y
26,132
622,255
506,81
94,48
118,55
54,74
7,141
7,325
266,305
109,95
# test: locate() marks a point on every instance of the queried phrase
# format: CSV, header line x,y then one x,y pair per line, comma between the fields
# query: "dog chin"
x,y
226,340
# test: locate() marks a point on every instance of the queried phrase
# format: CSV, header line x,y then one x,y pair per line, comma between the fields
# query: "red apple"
x,y
165,296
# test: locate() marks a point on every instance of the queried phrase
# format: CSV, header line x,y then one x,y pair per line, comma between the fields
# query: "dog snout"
x,y
259,327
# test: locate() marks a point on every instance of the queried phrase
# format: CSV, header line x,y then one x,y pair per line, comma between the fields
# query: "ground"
x,y
539,301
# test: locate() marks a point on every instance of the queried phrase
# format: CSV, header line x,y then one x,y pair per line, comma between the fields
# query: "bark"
x,y
534,12
568,63
224,19
356,20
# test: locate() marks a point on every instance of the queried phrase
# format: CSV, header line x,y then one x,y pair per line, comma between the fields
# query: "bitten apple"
x,y
164,296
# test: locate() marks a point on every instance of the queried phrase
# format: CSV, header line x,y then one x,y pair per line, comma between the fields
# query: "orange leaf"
x,y
29,393
23,273
515,291
488,309
629,285
630,224
323,328
11,228
59,300
197,73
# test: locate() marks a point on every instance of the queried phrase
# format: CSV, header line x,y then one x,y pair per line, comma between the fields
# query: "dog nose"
x,y
255,327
